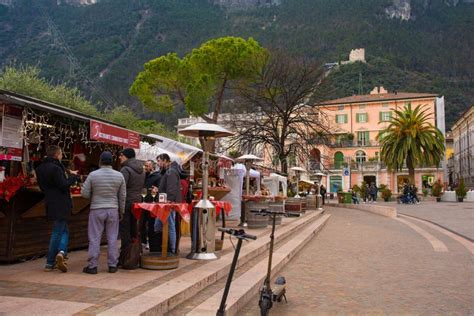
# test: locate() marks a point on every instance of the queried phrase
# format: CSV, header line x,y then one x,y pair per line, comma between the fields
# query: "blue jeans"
x,y
171,230
59,241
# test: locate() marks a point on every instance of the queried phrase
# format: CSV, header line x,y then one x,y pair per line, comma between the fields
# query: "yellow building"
x,y
351,152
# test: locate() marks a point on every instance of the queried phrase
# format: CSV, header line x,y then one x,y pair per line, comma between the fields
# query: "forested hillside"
x,y
101,47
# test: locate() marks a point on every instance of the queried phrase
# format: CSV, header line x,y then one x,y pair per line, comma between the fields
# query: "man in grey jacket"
x,y
107,190
134,175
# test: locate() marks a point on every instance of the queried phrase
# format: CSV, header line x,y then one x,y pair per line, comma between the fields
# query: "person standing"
x,y
107,190
373,190
150,240
170,184
134,175
55,182
322,191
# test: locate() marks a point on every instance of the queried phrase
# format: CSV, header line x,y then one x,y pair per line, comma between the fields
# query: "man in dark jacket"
x,y
134,175
55,182
170,184
152,180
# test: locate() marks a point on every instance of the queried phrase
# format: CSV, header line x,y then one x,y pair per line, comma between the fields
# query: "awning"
x,y
184,151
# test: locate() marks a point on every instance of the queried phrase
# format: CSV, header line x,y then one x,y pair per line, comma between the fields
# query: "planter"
x,y
460,199
438,199
386,199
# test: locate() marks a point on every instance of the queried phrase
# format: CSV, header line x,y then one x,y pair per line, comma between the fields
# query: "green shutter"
x,y
380,116
357,118
390,115
366,117
336,118
345,118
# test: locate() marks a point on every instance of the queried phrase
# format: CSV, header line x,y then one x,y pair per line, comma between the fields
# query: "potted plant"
x,y
461,191
437,190
425,192
385,192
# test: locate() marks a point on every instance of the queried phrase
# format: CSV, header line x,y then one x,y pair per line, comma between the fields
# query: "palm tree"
x,y
410,138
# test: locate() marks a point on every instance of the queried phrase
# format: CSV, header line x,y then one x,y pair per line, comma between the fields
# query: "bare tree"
x,y
278,113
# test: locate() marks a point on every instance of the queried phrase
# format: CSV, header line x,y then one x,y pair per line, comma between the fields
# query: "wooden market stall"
x,y
27,127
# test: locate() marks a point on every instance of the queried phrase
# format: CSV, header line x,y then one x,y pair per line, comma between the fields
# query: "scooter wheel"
x,y
265,305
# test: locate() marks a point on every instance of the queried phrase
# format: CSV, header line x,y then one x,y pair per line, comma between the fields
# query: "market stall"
x,y
27,127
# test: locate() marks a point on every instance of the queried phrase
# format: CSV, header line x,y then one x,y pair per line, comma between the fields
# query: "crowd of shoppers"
x,y
112,195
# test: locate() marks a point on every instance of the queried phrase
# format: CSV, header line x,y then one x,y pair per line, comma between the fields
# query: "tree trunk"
x,y
411,170
284,163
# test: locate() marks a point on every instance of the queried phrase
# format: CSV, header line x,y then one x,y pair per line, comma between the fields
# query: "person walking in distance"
x,y
55,181
373,190
134,175
170,184
107,190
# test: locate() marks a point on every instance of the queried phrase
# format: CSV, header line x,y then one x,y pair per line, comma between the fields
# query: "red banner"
x,y
114,135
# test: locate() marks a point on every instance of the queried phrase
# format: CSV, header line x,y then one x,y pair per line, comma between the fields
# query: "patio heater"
x,y
298,171
248,160
205,221
318,177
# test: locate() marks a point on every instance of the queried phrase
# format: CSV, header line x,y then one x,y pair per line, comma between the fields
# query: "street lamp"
x,y
298,171
318,177
206,220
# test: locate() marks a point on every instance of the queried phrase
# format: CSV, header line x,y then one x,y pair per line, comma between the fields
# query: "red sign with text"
x,y
114,135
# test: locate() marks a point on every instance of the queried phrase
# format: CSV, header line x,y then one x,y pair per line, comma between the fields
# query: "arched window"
x,y
361,156
338,160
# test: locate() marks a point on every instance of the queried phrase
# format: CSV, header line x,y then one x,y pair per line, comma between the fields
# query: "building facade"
x,y
461,162
351,153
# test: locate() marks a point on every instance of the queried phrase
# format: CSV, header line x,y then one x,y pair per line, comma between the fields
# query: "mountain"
x,y
100,45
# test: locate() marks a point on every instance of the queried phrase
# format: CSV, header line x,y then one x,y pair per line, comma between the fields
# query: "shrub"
x,y
437,189
461,190
386,193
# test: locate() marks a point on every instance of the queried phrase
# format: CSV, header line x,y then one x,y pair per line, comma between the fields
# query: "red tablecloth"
x,y
162,210
219,205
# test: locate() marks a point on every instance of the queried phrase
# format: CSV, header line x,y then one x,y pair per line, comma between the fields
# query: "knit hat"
x,y
129,153
106,157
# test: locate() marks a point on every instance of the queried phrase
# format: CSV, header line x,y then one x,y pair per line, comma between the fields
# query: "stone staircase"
x,y
196,288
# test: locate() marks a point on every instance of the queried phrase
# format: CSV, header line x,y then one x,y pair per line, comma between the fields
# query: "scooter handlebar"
x,y
239,233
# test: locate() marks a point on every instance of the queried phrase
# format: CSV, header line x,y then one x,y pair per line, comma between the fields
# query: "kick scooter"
x,y
240,235
267,294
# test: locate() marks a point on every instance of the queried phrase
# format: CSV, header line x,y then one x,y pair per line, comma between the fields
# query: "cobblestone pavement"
x,y
458,217
368,264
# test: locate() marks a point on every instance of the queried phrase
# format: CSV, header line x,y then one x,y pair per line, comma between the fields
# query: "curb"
x,y
243,290
168,295
387,211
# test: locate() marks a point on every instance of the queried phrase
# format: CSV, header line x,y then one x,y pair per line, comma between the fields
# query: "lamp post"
x,y
319,176
247,160
298,171
204,246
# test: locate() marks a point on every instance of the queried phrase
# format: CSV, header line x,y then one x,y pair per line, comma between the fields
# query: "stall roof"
x,y
51,107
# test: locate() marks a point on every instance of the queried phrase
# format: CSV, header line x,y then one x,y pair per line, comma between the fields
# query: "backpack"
x,y
130,256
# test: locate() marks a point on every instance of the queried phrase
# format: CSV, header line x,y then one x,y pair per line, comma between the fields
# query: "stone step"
x,y
247,286
168,295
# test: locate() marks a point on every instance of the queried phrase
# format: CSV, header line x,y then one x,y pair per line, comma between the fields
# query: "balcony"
x,y
348,143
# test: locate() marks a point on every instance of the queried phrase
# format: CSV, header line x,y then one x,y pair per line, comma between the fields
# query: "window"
x,y
340,107
363,138
361,156
338,160
362,117
341,118
385,116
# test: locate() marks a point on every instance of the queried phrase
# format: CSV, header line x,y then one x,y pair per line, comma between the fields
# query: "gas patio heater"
x,y
318,177
298,171
248,160
204,225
